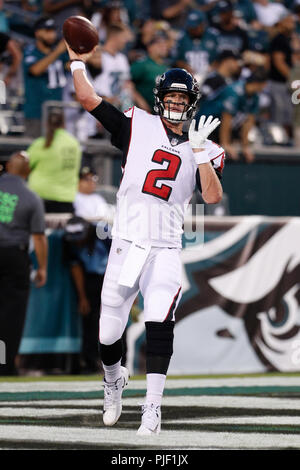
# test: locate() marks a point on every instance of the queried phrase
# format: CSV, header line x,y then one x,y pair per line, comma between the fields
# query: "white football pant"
x,y
159,282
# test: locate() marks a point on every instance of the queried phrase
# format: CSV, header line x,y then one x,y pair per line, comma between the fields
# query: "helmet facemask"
x,y
176,80
175,116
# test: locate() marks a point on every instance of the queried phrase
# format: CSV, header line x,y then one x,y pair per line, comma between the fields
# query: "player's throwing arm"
x,y
81,40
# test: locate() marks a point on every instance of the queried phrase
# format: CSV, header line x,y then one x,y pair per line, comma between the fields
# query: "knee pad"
x,y
110,329
159,337
111,294
111,354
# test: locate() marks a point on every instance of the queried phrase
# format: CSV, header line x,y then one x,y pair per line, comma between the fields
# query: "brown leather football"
x,y
80,34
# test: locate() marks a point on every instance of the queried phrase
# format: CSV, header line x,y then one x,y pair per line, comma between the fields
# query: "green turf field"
x,y
206,412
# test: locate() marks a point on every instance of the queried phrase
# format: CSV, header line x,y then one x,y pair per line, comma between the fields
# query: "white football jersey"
x,y
157,184
115,71
109,83
90,205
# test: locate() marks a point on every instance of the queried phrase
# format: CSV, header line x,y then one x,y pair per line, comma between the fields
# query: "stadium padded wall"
x,y
239,311
264,187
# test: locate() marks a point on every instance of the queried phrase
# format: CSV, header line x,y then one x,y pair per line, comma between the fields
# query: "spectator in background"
x,y
259,41
34,6
171,35
193,53
226,34
88,203
4,25
245,13
297,18
115,69
207,6
240,109
21,215
112,13
145,71
87,256
281,63
133,9
252,61
8,45
60,10
295,90
269,13
145,32
114,80
44,73
55,162
76,121
173,11
227,68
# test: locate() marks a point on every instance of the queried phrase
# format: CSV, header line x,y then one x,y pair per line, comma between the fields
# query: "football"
x,y
80,34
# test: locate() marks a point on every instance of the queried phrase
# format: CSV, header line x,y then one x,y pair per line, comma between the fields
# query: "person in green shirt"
x,y
240,109
243,9
145,70
192,54
55,161
214,89
44,71
225,34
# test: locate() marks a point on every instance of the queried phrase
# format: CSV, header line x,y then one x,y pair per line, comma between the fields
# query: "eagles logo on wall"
x,y
241,293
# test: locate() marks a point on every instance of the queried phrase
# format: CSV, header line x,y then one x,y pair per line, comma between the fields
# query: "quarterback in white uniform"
x,y
160,164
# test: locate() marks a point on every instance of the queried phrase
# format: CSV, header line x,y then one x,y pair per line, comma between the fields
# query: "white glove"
x,y
197,138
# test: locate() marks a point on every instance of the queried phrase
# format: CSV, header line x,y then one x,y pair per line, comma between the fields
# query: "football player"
x,y
160,164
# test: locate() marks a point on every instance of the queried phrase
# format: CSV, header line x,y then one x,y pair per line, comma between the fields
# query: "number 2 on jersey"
x,y
169,173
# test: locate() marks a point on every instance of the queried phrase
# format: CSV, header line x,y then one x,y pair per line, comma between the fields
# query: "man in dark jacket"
x,y
21,215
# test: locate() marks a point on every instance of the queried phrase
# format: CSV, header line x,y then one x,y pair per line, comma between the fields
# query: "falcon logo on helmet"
x,y
181,81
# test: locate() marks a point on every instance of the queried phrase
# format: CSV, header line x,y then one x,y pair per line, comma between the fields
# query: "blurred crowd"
x,y
245,54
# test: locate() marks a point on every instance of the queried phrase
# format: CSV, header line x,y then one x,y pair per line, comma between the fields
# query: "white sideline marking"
x,y
56,412
178,401
45,413
167,439
53,412
77,386
255,420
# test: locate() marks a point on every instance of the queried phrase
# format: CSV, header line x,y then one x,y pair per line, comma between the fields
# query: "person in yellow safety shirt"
x,y
55,161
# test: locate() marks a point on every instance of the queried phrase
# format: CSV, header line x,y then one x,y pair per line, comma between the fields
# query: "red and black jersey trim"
x,y
125,152
117,123
172,307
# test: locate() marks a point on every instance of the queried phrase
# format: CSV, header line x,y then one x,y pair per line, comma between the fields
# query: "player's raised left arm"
x,y
84,90
212,191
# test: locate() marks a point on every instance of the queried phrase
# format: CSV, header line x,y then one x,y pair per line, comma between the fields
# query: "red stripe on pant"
x,y
172,305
